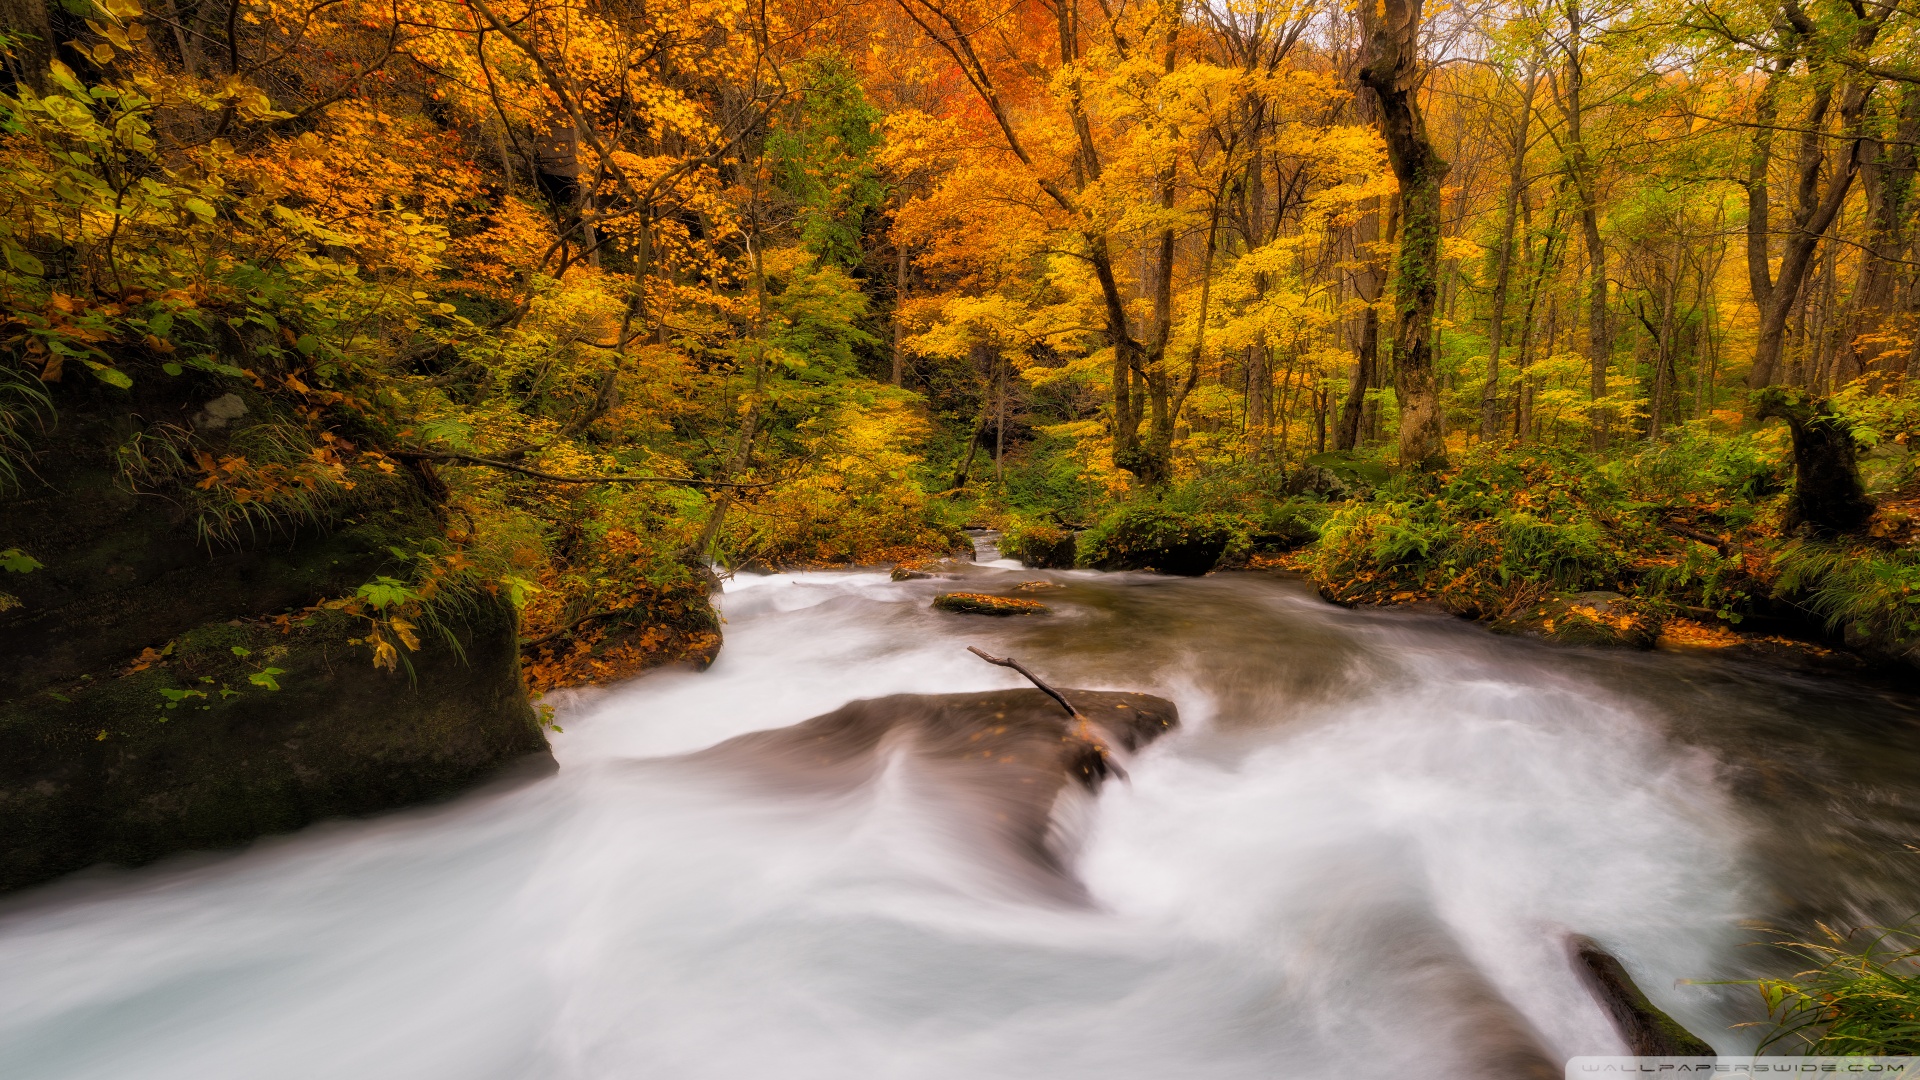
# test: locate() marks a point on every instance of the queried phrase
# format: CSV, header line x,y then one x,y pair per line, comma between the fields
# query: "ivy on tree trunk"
x,y
1391,51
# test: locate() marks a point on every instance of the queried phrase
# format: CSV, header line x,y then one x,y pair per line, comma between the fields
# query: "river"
x,y
1372,832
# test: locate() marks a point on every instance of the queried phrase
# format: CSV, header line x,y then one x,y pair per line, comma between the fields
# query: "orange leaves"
x,y
245,481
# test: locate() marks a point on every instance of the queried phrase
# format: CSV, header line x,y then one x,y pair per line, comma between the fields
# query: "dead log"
x,y
1646,1030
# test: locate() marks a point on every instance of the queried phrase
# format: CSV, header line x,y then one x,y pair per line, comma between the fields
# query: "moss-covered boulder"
x,y
167,681
1337,475
1149,536
1043,547
967,603
230,732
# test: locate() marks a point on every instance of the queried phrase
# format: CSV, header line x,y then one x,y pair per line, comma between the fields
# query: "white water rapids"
x,y
1370,831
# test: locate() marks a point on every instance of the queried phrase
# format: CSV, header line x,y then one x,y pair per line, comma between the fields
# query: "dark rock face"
x,y
1646,1030
1190,558
122,573
1004,756
109,756
1312,479
104,771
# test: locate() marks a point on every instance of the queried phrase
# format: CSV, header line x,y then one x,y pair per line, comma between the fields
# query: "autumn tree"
x,y
1389,69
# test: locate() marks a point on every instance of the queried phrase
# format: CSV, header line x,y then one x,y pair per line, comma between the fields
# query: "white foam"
x,y
633,918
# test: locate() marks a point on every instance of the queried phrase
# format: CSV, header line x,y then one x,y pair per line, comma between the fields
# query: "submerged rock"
x,y
922,569
1646,1030
1398,959
966,603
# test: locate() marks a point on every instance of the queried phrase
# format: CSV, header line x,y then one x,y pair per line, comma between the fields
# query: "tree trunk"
x,y
1155,461
1581,171
1820,191
1523,390
1391,29
1490,419
1827,495
1257,380
1368,282
899,323
1664,350
1000,426
1887,174
1365,367
33,53
973,449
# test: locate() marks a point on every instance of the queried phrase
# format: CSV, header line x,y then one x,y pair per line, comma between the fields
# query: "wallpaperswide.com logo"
x,y
1774,1068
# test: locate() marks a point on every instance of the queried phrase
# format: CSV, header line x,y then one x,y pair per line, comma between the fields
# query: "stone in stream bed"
x,y
993,762
967,603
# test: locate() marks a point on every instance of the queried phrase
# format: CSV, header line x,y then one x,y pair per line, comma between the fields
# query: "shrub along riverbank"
x,y
1691,538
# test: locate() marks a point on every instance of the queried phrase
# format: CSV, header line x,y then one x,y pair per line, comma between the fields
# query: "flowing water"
x,y
1361,852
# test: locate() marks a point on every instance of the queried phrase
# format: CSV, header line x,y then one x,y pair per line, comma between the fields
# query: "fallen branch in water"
x,y
1010,662
508,466
1083,730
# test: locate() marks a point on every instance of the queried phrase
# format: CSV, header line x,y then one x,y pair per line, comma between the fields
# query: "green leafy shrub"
x,y
1287,525
1727,474
1495,534
1046,476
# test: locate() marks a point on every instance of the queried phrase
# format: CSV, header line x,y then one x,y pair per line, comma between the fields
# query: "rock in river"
x,y
967,603
1000,757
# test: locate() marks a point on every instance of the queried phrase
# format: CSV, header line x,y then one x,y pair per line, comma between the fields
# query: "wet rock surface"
x,y
1003,755
1642,1026
988,604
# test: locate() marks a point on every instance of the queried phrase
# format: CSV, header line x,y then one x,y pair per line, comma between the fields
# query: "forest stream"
x,y
1361,850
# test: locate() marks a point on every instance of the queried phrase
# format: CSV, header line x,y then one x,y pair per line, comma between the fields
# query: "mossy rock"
x,y
1042,547
1148,536
1588,618
962,603
1288,527
198,750
111,754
